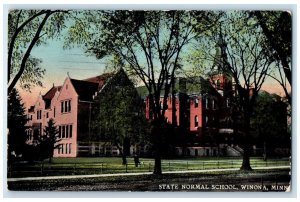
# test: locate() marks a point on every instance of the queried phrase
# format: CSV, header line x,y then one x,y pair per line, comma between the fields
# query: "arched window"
x,y
206,120
206,103
196,121
196,102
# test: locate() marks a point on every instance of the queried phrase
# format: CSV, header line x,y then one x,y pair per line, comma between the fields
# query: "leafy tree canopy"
x,y
28,29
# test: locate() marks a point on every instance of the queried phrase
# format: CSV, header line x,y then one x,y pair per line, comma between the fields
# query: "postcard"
x,y
149,100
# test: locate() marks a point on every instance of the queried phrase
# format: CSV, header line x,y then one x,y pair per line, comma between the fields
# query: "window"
x,y
65,106
62,148
59,131
213,104
39,114
63,131
54,112
47,115
58,149
67,131
196,121
67,148
70,135
206,119
206,103
70,148
196,102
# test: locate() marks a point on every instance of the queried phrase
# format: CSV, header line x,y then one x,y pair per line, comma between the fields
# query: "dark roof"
x,y
50,94
194,85
85,89
100,79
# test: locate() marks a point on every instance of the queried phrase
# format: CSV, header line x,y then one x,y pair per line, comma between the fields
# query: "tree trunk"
x,y
157,165
246,144
246,158
156,134
124,160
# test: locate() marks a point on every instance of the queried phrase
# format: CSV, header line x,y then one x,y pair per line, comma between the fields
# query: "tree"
x,y
118,116
49,140
269,122
244,59
16,121
150,44
240,55
277,27
27,29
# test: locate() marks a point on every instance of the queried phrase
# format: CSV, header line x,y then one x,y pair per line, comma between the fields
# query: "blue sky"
x,y
57,62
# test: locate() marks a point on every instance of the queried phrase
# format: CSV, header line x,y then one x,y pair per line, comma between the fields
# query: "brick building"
x,y
201,111
69,105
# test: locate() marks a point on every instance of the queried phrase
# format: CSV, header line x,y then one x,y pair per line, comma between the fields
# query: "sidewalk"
x,y
135,174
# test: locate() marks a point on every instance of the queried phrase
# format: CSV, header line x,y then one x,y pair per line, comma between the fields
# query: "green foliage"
x,y
48,141
148,44
119,116
16,120
28,29
269,120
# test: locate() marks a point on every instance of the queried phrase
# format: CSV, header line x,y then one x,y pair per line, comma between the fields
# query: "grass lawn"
x,y
98,165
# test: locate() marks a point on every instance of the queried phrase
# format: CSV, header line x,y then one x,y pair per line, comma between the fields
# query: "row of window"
x,y
65,106
65,131
196,120
65,148
196,104
29,134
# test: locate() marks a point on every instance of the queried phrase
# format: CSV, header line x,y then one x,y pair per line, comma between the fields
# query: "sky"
x,y
58,63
